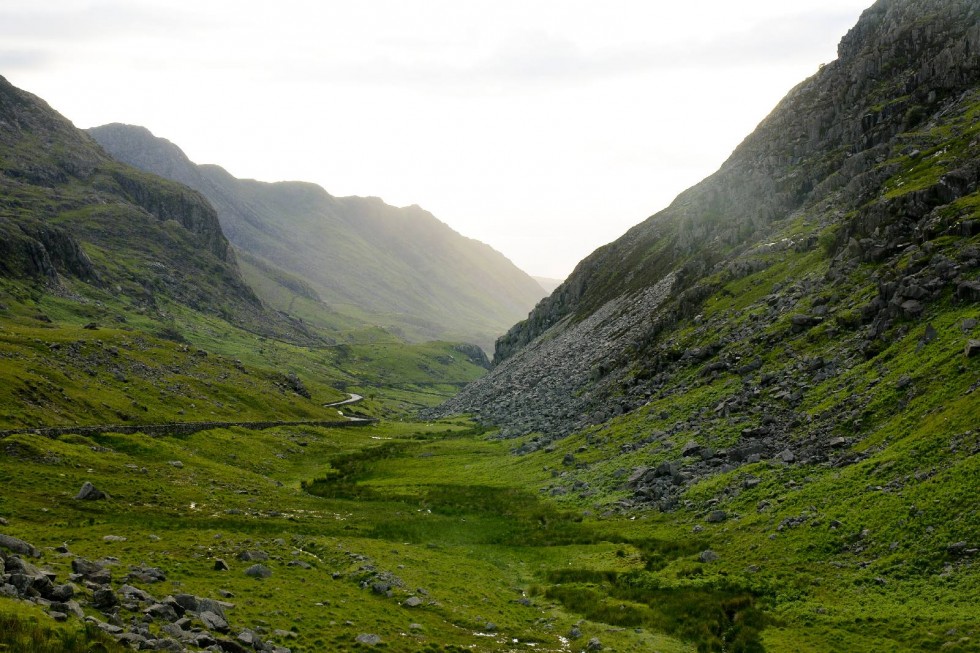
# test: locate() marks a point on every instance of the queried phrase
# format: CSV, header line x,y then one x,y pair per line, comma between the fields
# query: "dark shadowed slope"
x,y
69,211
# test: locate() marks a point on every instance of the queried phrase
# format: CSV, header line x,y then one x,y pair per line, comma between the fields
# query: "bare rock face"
x,y
90,493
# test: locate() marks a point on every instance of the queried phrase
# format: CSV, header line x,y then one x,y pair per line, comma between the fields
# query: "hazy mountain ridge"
x,y
400,267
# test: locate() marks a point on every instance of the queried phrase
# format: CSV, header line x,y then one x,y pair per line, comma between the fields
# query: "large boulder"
x,y
90,493
16,545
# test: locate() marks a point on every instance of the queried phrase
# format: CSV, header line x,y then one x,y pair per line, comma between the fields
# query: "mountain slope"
x,y
401,268
868,165
785,362
70,212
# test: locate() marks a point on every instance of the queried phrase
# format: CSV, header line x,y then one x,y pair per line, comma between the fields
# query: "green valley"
x,y
748,425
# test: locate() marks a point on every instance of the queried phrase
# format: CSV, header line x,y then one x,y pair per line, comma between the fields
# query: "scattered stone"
x,y
956,548
176,463
412,602
187,602
750,482
58,616
708,556
220,565
594,645
252,556
716,516
972,348
490,627
574,633
213,621
147,574
302,564
61,593
114,538
368,639
90,493
91,571
787,456
104,599
130,592
258,571
692,448
16,545
161,611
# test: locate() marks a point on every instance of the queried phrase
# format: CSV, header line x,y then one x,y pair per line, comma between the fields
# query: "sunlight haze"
x,y
544,129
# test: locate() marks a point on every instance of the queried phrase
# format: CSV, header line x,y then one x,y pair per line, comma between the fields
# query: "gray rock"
x,y
61,593
708,556
187,602
574,633
17,565
68,607
162,612
17,545
213,621
412,602
134,640
972,348
111,629
147,574
58,616
787,456
220,565
210,605
912,308
692,448
136,593
104,599
90,493
253,556
716,516
258,571
369,639
594,645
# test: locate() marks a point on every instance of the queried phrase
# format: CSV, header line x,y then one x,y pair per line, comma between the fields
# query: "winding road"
x,y
186,428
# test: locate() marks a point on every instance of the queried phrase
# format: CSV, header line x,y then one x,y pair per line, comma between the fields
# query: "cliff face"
x,y
69,211
398,267
841,225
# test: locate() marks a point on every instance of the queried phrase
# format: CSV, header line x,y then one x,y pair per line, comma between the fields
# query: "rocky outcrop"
x,y
863,171
182,623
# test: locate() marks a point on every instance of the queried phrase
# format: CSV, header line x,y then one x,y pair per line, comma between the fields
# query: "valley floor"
x,y
432,537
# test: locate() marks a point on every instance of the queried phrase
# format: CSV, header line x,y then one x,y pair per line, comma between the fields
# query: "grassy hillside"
x,y
364,260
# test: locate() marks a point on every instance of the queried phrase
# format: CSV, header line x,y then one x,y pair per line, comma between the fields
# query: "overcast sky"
x,y
544,128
